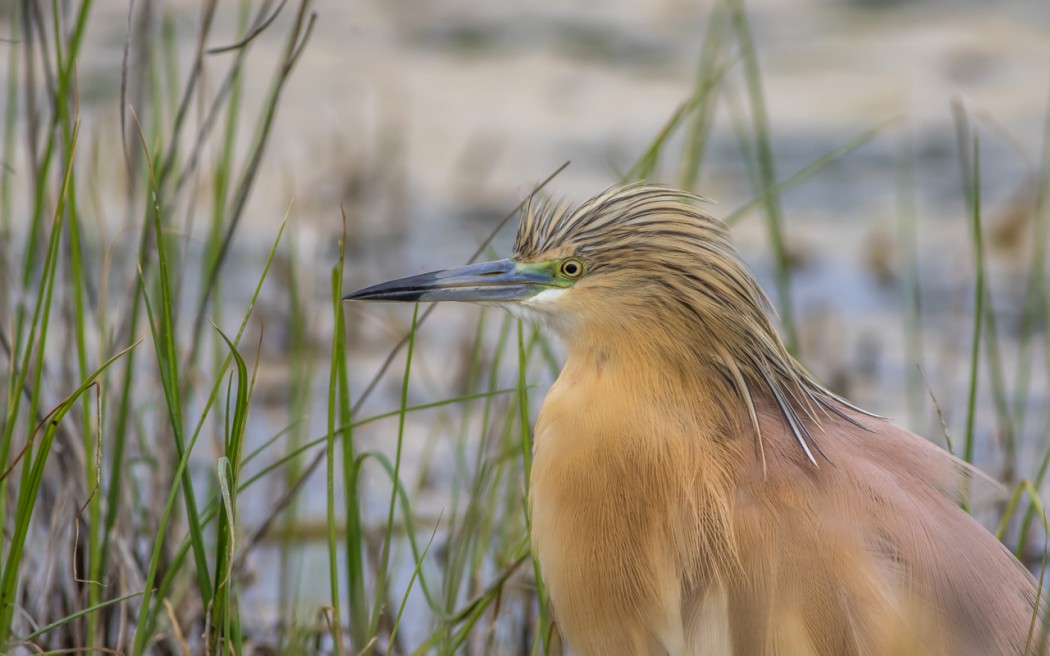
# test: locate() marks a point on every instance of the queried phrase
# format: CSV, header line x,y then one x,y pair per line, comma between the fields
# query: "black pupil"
x,y
571,268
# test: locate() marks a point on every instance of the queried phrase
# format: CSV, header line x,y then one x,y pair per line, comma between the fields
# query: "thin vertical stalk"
x,y
354,531
970,160
10,118
384,560
330,460
709,71
766,170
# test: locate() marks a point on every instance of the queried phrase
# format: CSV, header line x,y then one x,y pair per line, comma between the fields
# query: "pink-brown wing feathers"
x,y
872,554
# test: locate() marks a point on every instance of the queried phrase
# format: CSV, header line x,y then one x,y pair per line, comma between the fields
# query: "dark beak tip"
x,y
472,283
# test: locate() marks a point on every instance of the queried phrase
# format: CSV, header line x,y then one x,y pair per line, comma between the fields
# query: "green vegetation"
x,y
122,368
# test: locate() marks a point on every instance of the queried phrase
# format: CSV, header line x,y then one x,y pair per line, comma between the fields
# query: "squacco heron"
x,y
694,489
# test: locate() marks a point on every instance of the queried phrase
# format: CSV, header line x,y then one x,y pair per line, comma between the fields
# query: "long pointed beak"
x,y
486,282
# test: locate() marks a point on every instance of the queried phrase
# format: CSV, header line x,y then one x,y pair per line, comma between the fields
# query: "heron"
x,y
694,489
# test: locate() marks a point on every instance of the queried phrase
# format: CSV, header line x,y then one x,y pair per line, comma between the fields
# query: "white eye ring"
x,y
571,268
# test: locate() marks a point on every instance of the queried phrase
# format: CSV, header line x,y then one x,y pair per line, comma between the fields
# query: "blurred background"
x,y
883,163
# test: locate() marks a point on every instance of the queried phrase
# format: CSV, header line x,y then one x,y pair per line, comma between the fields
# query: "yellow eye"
x,y
571,268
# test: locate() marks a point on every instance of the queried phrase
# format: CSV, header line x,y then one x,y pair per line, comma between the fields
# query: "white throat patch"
x,y
540,309
546,297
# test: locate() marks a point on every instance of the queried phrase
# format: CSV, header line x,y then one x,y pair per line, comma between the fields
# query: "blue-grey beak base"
x,y
486,282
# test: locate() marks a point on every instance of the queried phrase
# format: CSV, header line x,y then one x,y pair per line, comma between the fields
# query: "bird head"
x,y
638,263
